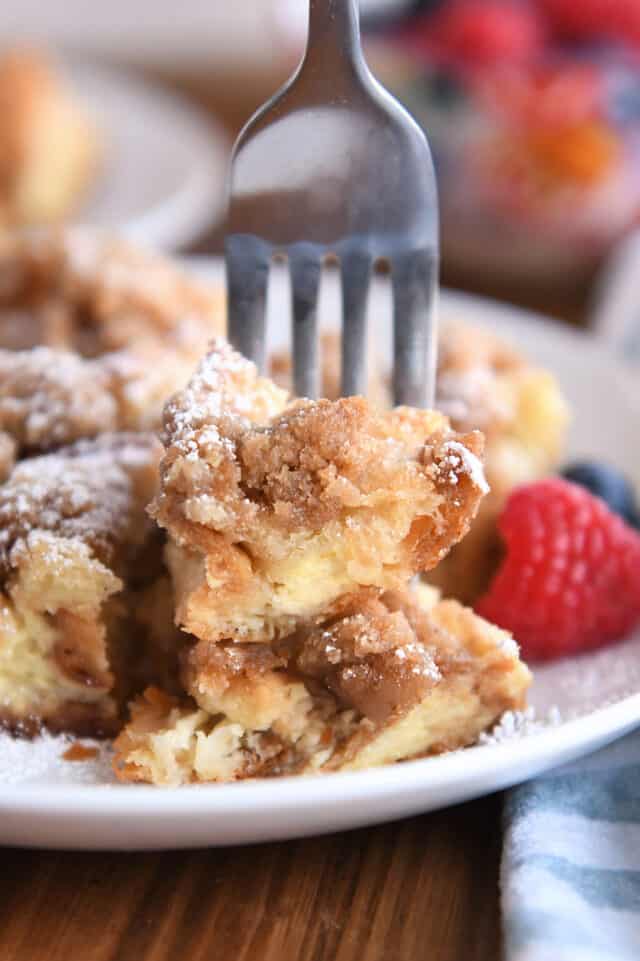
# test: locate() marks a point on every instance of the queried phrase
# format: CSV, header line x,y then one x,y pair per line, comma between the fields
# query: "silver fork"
x,y
333,165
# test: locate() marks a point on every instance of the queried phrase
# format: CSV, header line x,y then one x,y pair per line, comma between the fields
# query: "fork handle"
x,y
334,33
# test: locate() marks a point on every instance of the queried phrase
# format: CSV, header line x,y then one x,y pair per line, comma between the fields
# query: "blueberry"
x,y
610,485
625,107
445,88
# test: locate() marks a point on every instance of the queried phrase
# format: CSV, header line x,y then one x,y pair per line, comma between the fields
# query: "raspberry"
x,y
570,580
484,32
594,19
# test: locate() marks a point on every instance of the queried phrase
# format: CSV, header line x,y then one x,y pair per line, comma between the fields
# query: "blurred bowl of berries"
x,y
533,112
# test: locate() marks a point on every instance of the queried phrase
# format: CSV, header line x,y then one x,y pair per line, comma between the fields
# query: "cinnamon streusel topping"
x,y
93,492
275,512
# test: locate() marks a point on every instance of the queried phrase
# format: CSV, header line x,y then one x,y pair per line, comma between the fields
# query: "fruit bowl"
x,y
535,126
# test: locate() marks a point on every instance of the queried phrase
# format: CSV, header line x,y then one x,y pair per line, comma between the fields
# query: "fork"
x,y
332,165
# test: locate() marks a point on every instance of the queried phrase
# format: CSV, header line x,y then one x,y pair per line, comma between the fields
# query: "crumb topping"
x,y
96,335
234,454
53,397
92,492
261,496
472,363
84,291
370,657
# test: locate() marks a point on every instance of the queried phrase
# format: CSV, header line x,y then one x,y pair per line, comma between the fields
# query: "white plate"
x,y
204,35
163,174
48,802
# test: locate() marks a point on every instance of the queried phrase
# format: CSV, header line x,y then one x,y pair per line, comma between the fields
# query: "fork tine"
x,y
305,267
356,274
247,262
414,279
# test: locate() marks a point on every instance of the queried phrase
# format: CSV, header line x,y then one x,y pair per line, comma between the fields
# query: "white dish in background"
x,y
47,802
197,35
163,173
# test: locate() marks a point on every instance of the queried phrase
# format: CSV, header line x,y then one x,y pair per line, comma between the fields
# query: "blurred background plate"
x,y
163,172
195,33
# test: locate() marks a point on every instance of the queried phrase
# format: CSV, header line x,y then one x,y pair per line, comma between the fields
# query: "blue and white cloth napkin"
x,y
571,861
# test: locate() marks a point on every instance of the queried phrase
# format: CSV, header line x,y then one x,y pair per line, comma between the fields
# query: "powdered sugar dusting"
x,y
51,397
41,760
584,684
470,398
514,725
86,493
460,459
224,385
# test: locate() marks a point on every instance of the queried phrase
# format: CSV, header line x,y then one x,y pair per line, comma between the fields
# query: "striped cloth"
x,y
571,861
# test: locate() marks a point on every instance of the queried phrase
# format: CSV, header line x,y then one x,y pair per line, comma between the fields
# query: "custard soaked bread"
x,y
398,676
79,559
277,513
284,633
294,530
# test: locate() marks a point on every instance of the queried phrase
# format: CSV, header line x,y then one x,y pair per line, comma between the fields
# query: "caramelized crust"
x,y
76,552
278,513
391,678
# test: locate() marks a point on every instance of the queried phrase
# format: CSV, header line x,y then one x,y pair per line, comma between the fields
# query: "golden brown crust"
x,y
87,609
482,383
260,498
370,657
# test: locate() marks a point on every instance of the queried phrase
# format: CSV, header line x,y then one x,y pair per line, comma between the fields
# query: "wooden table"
x,y
425,888
418,890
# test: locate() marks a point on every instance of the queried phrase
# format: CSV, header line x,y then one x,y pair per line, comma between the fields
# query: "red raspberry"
x,y
479,32
595,19
570,580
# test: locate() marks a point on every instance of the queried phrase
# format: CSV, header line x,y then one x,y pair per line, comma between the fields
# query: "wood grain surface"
x,y
425,889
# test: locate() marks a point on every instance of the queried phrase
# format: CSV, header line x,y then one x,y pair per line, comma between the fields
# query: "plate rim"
x,y
244,797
